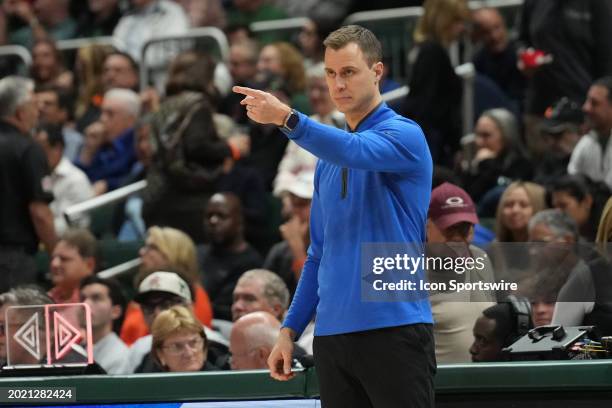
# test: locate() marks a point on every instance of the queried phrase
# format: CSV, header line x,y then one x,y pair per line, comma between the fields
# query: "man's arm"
x,y
42,218
400,147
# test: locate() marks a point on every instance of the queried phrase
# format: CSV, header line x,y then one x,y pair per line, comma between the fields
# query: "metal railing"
x,y
120,269
295,23
158,52
17,51
75,211
467,72
76,43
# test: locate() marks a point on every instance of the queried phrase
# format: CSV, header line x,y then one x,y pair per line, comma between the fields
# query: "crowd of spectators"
x,y
529,189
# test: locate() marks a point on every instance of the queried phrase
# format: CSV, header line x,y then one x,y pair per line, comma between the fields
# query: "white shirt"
x,y
69,186
160,18
589,160
112,354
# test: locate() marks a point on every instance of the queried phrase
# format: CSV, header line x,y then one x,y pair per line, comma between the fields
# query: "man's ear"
x,y
115,312
378,71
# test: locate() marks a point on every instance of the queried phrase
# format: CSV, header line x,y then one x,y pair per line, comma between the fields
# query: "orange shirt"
x,y
134,326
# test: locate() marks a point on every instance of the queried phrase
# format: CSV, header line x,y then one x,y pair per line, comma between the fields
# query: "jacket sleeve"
x,y
394,146
306,296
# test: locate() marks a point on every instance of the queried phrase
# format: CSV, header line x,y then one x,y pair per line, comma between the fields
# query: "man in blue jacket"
x,y
372,185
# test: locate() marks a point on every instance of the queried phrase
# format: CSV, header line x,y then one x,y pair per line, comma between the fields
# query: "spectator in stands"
x,y
55,108
499,157
297,160
561,130
189,157
179,342
311,39
18,296
450,226
107,304
246,12
582,200
73,259
100,18
604,231
204,13
260,290
48,66
167,249
497,59
120,70
494,330
44,18
252,339
108,150
26,218
284,60
287,257
519,202
434,101
581,52
228,255
592,156
147,19
88,70
243,57
68,183
158,292
584,296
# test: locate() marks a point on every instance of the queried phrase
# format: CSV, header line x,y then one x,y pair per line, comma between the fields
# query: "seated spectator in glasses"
x,y
167,249
44,18
48,66
495,329
561,130
179,342
582,200
20,296
73,259
252,339
228,255
55,108
107,304
158,292
497,59
287,257
100,18
499,154
68,183
108,152
450,226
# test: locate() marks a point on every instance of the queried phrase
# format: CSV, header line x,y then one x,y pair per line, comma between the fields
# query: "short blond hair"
x,y
604,230
537,198
437,18
178,248
171,321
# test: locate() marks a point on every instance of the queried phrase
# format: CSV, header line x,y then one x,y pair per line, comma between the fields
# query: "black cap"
x,y
563,113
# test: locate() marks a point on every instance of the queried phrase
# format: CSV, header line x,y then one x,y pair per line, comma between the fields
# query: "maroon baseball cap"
x,y
449,205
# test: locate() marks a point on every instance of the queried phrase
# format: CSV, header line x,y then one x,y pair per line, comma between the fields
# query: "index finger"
x,y
246,91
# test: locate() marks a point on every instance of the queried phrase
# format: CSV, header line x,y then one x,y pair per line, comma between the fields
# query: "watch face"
x,y
293,121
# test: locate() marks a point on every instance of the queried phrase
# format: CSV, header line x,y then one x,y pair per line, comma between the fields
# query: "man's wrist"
x,y
288,332
286,113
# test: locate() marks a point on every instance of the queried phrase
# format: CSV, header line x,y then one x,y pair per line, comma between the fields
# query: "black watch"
x,y
291,121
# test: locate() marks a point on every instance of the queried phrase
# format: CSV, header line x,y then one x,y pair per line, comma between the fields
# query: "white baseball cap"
x,y
168,282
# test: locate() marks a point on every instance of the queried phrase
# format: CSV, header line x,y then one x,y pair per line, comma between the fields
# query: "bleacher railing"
x,y
158,52
18,51
76,43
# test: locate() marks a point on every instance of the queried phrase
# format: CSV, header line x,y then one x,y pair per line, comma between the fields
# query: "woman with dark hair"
x,y
581,199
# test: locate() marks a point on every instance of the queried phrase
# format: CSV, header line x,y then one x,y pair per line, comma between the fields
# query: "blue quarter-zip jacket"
x,y
372,185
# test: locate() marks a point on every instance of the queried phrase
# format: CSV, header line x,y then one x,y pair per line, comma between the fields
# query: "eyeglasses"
x,y
178,348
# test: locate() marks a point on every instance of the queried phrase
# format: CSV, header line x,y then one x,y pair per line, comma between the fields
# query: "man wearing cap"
x,y
450,228
561,129
372,185
287,257
158,292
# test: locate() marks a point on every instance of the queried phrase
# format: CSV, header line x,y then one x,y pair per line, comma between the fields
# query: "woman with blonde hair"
x,y
167,249
179,341
604,231
519,202
88,69
434,101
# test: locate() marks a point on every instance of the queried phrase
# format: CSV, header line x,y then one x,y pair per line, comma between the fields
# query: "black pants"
x,y
382,368
17,267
